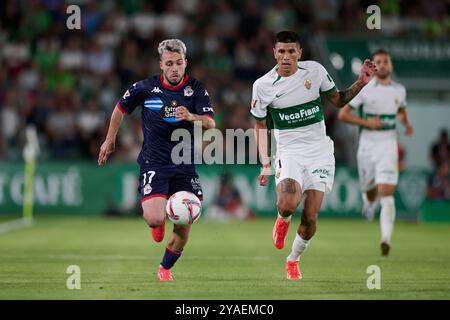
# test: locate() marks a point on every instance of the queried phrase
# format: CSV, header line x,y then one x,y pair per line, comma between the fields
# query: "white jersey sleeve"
x,y
260,101
327,84
357,100
403,102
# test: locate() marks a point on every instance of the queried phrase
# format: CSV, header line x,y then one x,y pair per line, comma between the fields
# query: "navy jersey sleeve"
x,y
132,98
202,102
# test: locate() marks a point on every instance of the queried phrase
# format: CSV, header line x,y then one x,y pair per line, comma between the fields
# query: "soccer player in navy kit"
x,y
169,101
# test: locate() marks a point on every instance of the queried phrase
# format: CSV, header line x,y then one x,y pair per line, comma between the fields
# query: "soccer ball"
x,y
183,208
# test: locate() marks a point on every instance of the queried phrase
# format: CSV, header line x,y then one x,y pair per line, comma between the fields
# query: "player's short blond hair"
x,y
172,45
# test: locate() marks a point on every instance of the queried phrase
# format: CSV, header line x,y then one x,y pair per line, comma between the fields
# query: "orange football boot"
x,y
158,232
279,232
164,274
292,270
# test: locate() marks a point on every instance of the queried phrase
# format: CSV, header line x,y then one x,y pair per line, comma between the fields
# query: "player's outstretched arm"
x,y
262,144
182,113
403,117
346,115
108,145
341,98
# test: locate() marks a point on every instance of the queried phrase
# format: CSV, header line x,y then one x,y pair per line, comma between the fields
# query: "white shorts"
x,y
377,164
317,176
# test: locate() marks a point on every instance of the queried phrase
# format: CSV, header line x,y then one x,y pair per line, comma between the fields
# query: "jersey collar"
x,y
178,86
378,83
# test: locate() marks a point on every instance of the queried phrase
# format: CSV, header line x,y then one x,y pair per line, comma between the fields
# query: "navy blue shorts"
x,y
163,181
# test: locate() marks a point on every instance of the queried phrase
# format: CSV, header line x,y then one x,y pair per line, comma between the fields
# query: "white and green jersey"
x,y
294,105
376,99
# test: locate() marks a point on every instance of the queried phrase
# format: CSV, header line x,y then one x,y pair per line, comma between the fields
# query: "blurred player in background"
x,y
379,104
290,95
169,101
228,203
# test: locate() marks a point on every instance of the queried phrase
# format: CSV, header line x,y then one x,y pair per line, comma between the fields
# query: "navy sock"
x,y
169,258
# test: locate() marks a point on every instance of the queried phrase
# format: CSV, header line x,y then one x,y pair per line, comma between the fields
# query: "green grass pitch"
x,y
236,260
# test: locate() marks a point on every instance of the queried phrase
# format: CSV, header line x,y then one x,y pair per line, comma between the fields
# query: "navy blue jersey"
x,y
158,102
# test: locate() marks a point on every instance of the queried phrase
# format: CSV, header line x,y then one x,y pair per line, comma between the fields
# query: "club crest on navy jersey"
x,y
188,91
147,189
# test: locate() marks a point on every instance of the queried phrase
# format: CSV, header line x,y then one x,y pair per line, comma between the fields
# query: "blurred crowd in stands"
x,y
439,182
66,82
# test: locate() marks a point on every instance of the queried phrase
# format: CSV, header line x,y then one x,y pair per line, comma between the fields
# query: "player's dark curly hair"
x,y
287,37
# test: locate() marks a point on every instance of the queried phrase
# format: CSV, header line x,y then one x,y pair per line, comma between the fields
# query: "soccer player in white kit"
x,y
380,103
289,95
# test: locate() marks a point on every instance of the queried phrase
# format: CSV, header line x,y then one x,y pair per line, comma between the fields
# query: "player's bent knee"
x,y
286,208
386,190
154,221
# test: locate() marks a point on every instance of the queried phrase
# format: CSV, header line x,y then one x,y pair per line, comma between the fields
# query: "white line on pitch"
x,y
15,224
